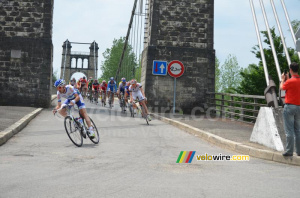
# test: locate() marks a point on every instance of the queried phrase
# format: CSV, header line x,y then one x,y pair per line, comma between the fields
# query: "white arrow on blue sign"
x,y
159,67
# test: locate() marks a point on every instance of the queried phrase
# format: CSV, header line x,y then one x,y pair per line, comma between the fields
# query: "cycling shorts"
x,y
136,95
79,104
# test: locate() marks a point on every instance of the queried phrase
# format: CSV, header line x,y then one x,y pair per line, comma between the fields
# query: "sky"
x,y
104,20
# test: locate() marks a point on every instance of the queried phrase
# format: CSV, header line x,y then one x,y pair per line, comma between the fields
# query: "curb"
x,y
231,145
19,125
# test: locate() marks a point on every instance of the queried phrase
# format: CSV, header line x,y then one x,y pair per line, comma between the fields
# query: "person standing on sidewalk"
x,y
291,112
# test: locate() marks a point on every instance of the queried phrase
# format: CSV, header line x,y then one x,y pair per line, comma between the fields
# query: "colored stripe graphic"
x,y
192,157
189,156
185,157
182,157
179,157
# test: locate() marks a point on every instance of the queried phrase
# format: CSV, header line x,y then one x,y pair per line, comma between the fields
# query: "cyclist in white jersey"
x,y
136,91
73,97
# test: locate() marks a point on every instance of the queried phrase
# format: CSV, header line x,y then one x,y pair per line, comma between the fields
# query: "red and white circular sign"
x,y
175,68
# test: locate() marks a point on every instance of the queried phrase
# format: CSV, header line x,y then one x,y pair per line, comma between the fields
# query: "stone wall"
x,y
26,52
180,30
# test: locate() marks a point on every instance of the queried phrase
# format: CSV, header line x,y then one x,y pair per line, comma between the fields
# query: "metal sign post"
x,y
174,105
175,69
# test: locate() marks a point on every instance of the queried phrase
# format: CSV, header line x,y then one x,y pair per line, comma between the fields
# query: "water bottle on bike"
x,y
81,123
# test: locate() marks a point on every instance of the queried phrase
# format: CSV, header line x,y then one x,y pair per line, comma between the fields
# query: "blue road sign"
x,y
159,67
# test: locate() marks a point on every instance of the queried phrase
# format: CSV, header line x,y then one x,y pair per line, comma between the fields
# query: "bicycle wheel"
x,y
73,130
144,114
96,139
110,100
131,110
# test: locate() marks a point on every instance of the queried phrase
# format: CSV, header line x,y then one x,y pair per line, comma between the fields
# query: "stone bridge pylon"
x,y
84,62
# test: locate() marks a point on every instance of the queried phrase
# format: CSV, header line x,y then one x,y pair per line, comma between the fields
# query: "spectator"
x,y
291,112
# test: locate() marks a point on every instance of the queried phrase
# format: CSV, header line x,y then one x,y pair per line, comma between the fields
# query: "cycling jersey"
x,y
126,88
83,82
112,86
103,87
122,87
96,86
90,84
136,92
70,95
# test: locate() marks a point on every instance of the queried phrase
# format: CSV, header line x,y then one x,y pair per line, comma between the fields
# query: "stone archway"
x,y
68,55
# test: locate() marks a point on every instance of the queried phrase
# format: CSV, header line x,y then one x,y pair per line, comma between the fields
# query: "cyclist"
x,y
73,82
72,97
78,85
127,94
136,91
83,86
111,88
90,87
95,88
103,88
121,89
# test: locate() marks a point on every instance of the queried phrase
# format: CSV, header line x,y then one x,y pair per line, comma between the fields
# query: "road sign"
x,y
159,68
175,68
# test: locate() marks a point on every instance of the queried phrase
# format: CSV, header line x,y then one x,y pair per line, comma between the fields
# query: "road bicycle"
x,y
90,96
76,127
110,99
96,96
139,109
122,103
103,98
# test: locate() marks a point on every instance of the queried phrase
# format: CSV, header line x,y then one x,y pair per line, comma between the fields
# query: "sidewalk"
x,y
226,133
11,114
14,118
223,127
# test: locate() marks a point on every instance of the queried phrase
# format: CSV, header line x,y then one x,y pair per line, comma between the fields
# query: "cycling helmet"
x,y
123,80
59,83
95,80
103,81
112,78
133,81
83,77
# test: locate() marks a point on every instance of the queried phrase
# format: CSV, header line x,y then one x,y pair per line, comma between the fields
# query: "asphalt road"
x,y
131,160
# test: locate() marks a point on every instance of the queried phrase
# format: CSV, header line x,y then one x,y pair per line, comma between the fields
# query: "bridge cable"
x,y
126,40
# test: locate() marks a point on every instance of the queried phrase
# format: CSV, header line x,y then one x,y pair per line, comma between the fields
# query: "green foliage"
x,y
229,76
253,77
296,25
112,58
217,74
138,73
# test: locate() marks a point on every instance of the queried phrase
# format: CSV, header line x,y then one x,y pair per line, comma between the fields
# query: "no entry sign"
x,y
175,68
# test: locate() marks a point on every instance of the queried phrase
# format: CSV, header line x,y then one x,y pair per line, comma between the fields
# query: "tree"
x,y
253,77
229,75
217,74
112,58
296,25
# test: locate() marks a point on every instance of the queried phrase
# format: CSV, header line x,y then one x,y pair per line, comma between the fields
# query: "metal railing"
x,y
236,106
79,53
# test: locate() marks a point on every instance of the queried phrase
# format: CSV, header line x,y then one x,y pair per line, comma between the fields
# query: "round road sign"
x,y
175,68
